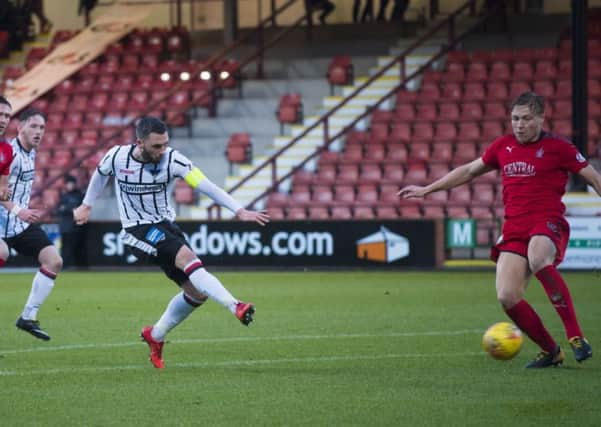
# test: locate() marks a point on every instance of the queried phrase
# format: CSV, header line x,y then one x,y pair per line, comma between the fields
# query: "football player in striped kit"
x,y
142,173
18,223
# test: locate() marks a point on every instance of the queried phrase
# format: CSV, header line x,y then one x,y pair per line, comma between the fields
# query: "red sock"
x,y
528,321
558,293
2,262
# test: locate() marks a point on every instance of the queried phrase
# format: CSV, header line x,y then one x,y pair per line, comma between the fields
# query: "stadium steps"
x,y
340,119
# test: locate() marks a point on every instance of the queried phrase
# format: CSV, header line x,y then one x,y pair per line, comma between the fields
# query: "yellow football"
x,y
502,341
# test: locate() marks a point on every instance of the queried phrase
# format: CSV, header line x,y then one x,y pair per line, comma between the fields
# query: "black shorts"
x,y
30,242
158,244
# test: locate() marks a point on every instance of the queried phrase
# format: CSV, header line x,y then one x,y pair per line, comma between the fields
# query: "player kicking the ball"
x,y
142,172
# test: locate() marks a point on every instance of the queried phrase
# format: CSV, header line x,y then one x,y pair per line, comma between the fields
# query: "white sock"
x,y
209,285
176,312
42,285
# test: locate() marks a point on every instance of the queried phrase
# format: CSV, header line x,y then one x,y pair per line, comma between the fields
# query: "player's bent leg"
x,y
511,282
542,255
207,284
50,259
511,278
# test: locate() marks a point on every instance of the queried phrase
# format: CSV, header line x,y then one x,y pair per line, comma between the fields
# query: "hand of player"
x,y
4,193
412,191
81,214
30,215
260,217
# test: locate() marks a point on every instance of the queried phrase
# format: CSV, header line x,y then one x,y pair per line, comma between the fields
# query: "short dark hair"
x,y
4,101
535,102
147,125
30,112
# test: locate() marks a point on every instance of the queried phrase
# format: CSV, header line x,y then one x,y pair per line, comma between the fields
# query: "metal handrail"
x,y
328,140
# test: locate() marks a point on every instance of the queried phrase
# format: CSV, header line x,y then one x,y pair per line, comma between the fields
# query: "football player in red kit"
x,y
534,165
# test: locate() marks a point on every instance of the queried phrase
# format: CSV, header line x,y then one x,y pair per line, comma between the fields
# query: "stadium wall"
x,y
208,14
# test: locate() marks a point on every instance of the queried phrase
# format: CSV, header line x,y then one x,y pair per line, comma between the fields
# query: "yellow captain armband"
x,y
195,177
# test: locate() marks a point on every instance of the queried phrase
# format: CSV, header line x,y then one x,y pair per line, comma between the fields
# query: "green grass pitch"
x,y
326,349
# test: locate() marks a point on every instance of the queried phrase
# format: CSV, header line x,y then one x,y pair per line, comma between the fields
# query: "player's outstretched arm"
x,y
260,217
454,178
592,177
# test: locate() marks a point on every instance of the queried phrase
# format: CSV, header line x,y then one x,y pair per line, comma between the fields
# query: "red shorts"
x,y
517,234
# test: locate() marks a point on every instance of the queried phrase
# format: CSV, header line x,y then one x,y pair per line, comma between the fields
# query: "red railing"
x,y
453,39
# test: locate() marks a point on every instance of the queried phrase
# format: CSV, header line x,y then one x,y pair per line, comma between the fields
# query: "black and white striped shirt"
x,y
143,189
20,182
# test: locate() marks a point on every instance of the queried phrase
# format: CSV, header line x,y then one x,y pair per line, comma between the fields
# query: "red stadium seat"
x,y
448,111
420,151
460,195
476,72
471,111
348,174
546,70
386,212
469,131
319,212
277,199
416,173
363,212
497,91
483,193
375,152
396,152
434,212
340,71
474,91
562,128
322,195
423,131
405,112
457,212
465,152
500,71
523,71
442,151
452,91
370,173
429,92
341,212
426,112
393,173
296,213
563,89
445,131
517,88
402,132
345,194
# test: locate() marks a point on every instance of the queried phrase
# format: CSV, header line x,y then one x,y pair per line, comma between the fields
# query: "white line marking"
x,y
245,339
230,363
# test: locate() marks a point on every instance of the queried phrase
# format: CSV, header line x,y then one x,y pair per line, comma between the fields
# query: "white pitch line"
x,y
245,339
230,363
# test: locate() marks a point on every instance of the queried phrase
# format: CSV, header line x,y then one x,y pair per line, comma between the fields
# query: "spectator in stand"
x,y
85,7
36,7
325,6
398,11
368,11
72,235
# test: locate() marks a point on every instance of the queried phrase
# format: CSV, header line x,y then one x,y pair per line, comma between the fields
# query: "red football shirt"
x,y
534,175
6,157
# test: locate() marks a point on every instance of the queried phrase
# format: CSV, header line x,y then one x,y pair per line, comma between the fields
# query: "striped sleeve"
x,y
106,166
